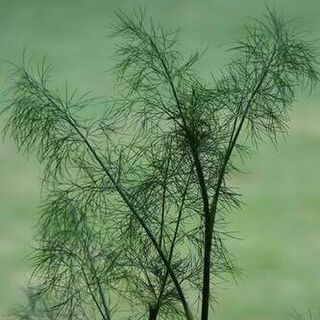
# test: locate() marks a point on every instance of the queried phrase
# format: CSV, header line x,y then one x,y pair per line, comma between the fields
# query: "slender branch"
x,y
101,294
164,197
204,195
93,296
147,277
234,136
93,270
213,209
173,243
195,153
169,78
140,220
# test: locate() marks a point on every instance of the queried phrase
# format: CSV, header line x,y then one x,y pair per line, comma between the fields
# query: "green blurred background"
x,y
280,224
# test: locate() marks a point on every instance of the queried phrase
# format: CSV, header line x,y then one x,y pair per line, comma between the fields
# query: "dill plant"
x,y
135,202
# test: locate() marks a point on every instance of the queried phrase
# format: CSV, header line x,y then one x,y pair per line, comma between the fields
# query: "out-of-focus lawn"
x,y
280,225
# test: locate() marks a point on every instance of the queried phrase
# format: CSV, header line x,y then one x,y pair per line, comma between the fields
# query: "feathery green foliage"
x,y
136,202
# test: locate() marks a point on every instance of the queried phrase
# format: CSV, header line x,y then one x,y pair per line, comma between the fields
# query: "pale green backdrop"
x,y
280,225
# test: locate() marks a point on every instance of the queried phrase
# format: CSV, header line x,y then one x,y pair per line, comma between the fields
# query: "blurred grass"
x,y
280,224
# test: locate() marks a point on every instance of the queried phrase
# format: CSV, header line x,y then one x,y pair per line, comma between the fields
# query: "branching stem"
x,y
141,221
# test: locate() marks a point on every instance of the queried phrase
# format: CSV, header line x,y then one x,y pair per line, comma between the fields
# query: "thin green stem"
x,y
138,217
213,207
173,243
164,197
92,267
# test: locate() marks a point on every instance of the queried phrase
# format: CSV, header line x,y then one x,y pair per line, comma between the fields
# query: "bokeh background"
x,y
279,225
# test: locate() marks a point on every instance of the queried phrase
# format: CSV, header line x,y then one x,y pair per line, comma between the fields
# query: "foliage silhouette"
x,y
136,201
